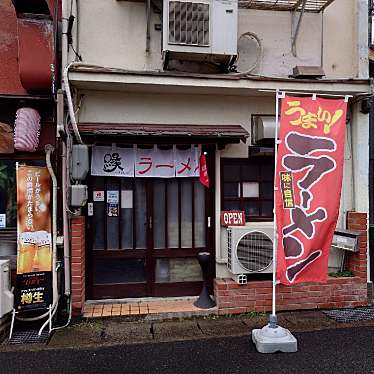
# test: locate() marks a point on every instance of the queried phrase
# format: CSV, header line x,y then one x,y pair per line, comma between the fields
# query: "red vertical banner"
x,y
308,180
204,177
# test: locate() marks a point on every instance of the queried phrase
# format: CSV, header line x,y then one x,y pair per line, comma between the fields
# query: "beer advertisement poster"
x,y
34,242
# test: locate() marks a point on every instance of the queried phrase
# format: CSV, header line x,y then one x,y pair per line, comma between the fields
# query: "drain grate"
x,y
27,337
350,315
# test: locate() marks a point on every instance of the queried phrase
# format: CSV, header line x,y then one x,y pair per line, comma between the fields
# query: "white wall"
x,y
113,34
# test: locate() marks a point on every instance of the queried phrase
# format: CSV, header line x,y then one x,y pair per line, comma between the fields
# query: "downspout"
x,y
70,102
296,34
48,150
62,134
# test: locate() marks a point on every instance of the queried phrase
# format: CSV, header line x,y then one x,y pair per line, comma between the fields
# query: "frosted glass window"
x,y
98,223
159,214
186,213
250,189
112,223
173,270
173,216
200,222
140,214
126,214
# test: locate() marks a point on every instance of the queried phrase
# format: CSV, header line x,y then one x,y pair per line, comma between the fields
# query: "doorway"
x,y
143,236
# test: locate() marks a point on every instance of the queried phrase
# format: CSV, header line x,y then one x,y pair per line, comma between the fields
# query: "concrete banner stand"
x,y
273,338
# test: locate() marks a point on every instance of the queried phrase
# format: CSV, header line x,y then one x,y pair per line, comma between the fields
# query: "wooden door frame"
x,y
150,287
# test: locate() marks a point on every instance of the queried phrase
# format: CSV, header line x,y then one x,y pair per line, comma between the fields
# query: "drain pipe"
x,y
70,102
63,134
48,150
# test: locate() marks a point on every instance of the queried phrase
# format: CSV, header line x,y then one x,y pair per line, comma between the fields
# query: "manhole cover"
x,y
27,337
350,315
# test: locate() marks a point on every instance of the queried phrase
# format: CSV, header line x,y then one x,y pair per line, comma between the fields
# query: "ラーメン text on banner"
x,y
308,180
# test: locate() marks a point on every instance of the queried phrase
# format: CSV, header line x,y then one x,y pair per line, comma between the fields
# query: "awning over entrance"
x,y
214,133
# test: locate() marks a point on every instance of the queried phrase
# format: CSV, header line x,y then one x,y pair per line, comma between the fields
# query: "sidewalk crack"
x,y
199,327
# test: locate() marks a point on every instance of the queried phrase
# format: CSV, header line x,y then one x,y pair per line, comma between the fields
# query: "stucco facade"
x,y
118,81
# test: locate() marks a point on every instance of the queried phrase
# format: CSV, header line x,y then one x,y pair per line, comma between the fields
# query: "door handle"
x,y
209,222
150,222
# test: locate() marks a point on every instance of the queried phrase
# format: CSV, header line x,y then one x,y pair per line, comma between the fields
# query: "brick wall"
x,y
233,298
78,250
357,262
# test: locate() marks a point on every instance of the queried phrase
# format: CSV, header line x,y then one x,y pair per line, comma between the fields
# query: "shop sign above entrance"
x,y
233,218
152,162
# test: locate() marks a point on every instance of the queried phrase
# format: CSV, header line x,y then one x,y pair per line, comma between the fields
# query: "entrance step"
x,y
149,308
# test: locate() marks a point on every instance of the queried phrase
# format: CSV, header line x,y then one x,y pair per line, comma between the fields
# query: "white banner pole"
x,y
278,95
272,337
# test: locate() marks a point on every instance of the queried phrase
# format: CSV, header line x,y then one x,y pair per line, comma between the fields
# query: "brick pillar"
x,y
78,250
357,262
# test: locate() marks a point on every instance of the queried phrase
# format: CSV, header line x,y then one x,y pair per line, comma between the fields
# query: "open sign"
x,y
233,218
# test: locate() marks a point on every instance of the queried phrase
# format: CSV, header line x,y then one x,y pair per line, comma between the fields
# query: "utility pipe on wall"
x,y
70,103
63,133
48,151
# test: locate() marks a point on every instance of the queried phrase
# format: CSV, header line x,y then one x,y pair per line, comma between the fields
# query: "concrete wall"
x,y
113,34
345,39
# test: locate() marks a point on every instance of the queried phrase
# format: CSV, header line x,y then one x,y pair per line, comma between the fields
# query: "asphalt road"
x,y
327,351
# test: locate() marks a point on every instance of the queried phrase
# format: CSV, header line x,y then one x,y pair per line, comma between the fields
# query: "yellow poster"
x,y
34,252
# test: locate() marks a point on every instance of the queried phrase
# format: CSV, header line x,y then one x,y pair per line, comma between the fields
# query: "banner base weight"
x,y
274,338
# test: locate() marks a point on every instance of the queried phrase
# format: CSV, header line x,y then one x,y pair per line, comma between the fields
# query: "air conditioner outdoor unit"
x,y
200,30
6,296
250,250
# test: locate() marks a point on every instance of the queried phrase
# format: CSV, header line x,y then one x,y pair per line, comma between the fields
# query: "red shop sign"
x,y
232,218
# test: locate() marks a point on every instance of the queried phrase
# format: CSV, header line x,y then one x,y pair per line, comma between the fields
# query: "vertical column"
x,y
357,262
360,166
78,249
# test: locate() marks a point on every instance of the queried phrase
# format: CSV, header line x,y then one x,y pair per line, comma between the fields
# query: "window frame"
x,y
256,160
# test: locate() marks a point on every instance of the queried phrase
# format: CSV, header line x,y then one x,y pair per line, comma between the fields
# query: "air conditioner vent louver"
x,y
189,23
250,250
255,251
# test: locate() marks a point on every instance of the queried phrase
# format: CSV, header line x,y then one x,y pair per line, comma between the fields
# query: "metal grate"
x,y
314,6
255,251
229,249
189,23
27,337
350,315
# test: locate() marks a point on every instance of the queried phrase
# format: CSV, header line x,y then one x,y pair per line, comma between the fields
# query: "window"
x,y
8,202
247,184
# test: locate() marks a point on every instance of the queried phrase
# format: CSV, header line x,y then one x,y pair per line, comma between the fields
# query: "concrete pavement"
x,y
345,350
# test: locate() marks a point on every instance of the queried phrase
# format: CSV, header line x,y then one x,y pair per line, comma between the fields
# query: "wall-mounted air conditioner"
x,y
200,29
250,250
6,296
